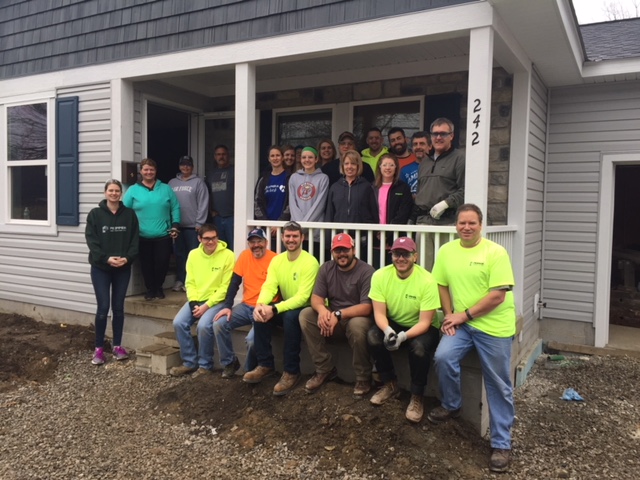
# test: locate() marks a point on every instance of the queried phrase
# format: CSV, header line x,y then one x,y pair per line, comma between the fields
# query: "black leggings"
x,y
154,261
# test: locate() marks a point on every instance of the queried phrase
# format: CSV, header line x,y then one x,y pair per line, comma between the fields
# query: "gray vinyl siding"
x,y
537,137
54,271
43,36
585,122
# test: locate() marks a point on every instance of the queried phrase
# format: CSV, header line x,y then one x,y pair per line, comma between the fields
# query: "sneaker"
x,y
119,353
181,370
257,374
98,356
499,461
230,370
149,295
415,410
361,388
201,372
441,415
319,379
178,286
388,390
286,383
160,294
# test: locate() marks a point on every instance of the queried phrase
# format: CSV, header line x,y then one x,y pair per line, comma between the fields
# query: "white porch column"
x,y
122,119
479,117
245,151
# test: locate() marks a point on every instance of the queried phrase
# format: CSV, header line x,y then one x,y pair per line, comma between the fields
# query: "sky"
x,y
591,11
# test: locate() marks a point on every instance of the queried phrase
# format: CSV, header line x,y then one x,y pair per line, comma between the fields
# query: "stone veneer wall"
x,y
455,82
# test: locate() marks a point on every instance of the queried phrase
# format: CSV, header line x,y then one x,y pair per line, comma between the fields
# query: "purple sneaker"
x,y
98,356
119,353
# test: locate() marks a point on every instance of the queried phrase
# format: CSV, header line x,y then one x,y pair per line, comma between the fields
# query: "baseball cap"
x,y
404,243
344,135
186,160
257,232
343,240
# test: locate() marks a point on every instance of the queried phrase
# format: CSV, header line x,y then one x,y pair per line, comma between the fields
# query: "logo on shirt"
x,y
108,229
408,296
295,276
306,191
476,264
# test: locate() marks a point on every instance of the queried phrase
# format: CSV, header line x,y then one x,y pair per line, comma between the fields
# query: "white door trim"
x,y
605,241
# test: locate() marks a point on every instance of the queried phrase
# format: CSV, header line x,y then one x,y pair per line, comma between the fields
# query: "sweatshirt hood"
x,y
222,245
180,177
103,206
317,171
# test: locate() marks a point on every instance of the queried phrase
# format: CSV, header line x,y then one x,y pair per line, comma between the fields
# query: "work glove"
x,y
395,341
388,333
438,209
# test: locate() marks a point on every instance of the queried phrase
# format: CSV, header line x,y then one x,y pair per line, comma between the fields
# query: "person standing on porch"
x,y
440,184
399,147
112,235
421,146
158,212
271,195
193,197
209,271
293,273
376,148
222,194
475,280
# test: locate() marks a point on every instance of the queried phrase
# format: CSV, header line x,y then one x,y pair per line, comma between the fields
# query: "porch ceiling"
x,y
334,69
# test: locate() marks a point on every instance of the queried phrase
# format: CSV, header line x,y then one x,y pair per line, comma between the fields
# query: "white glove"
x,y
388,333
438,209
395,341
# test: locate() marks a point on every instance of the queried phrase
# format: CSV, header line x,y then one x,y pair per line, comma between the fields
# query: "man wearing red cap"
x,y
344,282
405,298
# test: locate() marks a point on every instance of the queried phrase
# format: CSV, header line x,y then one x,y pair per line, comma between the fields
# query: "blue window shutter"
x,y
67,178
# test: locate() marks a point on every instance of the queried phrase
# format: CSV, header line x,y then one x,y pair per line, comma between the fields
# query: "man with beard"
x,y
421,146
398,146
340,308
293,273
250,271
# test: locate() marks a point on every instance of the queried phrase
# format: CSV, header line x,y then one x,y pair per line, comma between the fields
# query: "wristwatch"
x,y
338,314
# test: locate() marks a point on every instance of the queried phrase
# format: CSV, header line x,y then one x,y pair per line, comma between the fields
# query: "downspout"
x,y
541,302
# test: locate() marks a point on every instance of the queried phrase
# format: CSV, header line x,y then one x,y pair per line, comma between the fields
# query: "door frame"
x,y
604,248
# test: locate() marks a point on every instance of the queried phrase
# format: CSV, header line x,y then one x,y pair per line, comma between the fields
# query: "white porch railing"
x,y
371,235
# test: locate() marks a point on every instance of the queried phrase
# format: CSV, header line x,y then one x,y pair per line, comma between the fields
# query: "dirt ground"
x,y
329,423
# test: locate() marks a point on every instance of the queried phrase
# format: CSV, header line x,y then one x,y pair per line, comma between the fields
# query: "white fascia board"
x,y
396,30
570,25
507,50
611,67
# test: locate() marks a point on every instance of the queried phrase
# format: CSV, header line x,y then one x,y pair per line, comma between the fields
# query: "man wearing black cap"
x,y
251,271
344,282
405,298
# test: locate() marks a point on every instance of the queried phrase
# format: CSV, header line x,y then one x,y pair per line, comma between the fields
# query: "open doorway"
x,y
167,138
625,258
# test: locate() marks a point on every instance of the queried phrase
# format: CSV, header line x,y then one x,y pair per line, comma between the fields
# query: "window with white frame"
x,y
303,127
28,151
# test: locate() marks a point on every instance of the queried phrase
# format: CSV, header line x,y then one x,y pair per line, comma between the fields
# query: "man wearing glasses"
x,y
405,299
340,308
293,273
209,270
440,184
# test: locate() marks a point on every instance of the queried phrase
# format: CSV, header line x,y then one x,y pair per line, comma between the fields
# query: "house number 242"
x,y
477,108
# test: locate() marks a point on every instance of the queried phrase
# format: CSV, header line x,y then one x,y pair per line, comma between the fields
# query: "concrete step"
x,y
169,339
157,359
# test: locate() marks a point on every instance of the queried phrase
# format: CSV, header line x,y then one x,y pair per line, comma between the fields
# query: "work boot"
x,y
257,374
440,415
201,372
415,410
388,390
181,370
286,383
230,370
319,379
361,388
499,461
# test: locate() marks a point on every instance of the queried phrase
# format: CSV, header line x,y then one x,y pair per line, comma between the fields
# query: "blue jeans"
x,y
241,315
182,326
225,229
110,287
420,349
292,338
186,241
495,361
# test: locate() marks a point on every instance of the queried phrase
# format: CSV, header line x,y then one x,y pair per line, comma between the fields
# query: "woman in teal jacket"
x,y
158,212
112,237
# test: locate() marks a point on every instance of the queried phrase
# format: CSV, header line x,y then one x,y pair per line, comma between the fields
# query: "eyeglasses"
x,y
209,239
401,254
440,134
